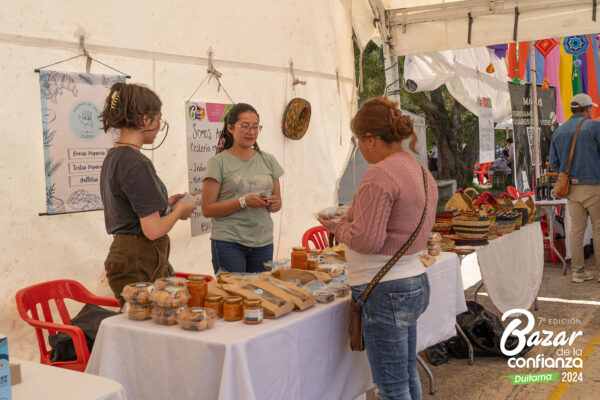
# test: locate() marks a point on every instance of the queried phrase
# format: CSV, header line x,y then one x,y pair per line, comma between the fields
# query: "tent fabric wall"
x,y
159,43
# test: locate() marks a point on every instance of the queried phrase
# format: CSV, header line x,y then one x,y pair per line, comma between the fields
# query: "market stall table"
x,y
512,266
39,381
302,355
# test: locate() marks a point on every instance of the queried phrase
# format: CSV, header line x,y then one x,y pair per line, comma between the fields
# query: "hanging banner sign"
x,y
487,147
74,142
520,100
204,124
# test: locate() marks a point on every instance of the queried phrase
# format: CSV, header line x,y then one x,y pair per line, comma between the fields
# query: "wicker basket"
x,y
472,193
505,226
471,227
459,201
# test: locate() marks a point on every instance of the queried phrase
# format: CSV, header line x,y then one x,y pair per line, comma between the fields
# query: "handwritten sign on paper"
x,y
204,124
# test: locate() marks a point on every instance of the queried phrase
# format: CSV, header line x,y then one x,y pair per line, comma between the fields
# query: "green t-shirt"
x,y
250,226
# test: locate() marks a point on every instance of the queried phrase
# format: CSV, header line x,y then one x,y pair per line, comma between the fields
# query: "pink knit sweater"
x,y
387,207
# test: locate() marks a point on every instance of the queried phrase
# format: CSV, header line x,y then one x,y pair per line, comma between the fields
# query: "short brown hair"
x,y
126,104
579,109
380,117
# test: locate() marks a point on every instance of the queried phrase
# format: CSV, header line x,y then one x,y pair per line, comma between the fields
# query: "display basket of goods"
x,y
196,318
505,221
486,197
459,201
472,193
469,225
505,202
521,207
301,298
443,222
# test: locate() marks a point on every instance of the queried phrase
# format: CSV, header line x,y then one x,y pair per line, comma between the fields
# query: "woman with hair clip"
x,y
387,210
239,189
135,200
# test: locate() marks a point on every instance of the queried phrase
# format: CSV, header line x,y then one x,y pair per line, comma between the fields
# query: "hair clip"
x,y
114,100
395,113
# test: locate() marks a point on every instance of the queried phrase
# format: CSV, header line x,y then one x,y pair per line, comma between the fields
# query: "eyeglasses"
x,y
247,128
355,139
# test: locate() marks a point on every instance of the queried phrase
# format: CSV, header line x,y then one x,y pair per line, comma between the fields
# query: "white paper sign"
x,y
204,123
531,141
487,149
74,142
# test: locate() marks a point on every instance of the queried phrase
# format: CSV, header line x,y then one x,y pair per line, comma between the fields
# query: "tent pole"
x,y
534,110
390,61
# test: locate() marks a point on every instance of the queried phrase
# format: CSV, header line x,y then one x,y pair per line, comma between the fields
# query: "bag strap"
x,y
573,145
400,253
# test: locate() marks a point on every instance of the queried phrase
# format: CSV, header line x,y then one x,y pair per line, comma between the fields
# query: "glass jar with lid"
x,y
253,311
232,308
215,302
299,258
198,289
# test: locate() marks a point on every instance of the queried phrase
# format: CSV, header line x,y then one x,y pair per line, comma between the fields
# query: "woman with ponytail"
x,y
135,199
385,211
239,191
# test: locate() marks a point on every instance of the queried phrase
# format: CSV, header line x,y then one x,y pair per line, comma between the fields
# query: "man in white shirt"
x,y
433,154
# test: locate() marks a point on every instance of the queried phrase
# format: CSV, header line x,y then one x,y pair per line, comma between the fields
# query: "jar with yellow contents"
x,y
253,311
299,258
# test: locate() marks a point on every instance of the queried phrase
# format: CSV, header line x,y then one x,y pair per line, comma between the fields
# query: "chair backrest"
x,y
318,235
29,298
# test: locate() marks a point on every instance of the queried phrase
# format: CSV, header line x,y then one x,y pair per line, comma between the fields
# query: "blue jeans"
x,y
234,257
389,320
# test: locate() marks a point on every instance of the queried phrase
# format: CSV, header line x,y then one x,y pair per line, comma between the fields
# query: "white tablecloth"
x,y
512,267
39,381
303,355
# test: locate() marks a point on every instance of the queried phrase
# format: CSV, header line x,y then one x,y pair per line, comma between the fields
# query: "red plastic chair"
x,y
483,172
318,235
515,194
28,300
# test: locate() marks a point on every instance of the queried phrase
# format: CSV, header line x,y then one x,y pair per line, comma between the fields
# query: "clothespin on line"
x,y
295,81
88,62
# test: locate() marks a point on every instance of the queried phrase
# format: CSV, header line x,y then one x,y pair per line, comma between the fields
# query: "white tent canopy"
x,y
421,26
164,45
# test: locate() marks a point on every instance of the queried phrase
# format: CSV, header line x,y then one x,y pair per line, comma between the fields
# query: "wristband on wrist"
x,y
242,201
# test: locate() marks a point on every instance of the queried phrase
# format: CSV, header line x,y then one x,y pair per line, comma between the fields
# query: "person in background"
x,y
240,189
135,199
584,193
385,211
511,152
433,154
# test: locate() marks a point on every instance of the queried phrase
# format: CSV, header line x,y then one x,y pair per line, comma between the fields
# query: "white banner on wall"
x,y
204,124
74,143
487,147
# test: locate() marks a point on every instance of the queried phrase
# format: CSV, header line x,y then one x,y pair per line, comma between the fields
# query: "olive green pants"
x,y
584,201
135,258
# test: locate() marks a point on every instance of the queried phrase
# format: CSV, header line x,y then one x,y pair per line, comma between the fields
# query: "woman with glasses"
x,y
239,191
385,212
135,200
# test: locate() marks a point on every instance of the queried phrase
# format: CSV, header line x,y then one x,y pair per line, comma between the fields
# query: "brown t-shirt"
x,y
130,190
